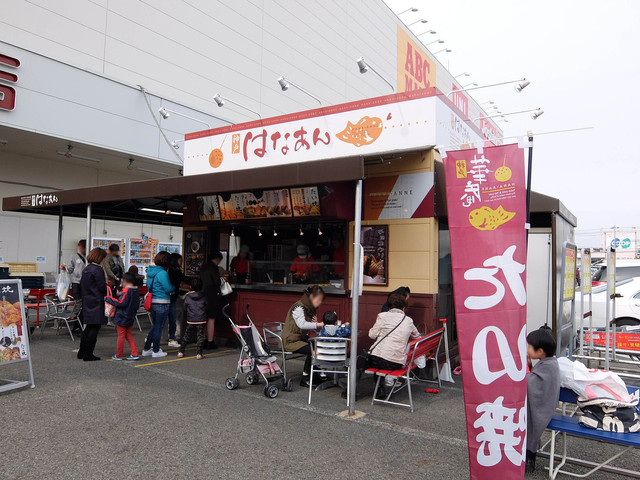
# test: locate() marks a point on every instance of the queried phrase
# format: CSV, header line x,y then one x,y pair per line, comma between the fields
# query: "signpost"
x,y
585,289
568,290
14,332
610,306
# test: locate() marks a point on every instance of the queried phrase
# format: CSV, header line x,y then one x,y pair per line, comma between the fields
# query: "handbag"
x,y
225,288
148,298
364,359
109,310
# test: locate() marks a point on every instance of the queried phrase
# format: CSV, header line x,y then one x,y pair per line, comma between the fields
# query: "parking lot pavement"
x,y
169,418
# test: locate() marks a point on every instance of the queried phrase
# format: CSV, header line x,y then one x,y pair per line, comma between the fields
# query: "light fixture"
x,y
219,99
365,67
433,32
445,50
319,230
233,232
503,120
275,232
418,21
164,113
301,232
3,142
410,9
285,84
435,41
174,143
69,154
522,81
522,85
490,102
472,84
537,113
157,210
259,232
463,74
131,166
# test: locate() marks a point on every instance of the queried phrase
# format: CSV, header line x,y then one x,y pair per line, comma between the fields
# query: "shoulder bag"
x,y
364,359
148,298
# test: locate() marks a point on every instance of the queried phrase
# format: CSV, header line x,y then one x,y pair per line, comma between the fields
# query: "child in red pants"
x,y
127,305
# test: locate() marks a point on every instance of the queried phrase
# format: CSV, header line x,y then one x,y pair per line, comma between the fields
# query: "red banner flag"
x,y
486,202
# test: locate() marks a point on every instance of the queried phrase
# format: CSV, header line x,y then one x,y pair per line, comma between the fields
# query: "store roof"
x,y
122,201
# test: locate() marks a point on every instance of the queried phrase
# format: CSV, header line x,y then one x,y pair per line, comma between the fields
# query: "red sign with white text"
x,y
486,201
7,92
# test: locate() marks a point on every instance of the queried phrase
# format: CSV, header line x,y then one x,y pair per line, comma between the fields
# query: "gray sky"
x,y
582,60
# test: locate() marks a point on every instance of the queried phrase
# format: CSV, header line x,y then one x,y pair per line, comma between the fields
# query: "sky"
x,y
582,60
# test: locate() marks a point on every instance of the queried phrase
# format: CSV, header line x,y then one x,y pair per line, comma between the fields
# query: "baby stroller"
x,y
255,360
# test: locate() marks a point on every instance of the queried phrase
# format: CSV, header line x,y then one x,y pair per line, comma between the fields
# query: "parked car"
x,y
625,269
627,305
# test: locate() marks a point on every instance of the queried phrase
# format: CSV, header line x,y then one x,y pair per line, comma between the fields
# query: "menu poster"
x,y
375,243
262,204
13,339
208,209
194,251
306,202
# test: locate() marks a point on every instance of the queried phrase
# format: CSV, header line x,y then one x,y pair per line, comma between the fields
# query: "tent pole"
x,y
355,297
88,237
59,251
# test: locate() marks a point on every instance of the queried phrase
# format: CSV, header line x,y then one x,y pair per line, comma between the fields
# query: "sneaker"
x,y
199,356
116,358
132,357
147,353
180,354
173,344
158,354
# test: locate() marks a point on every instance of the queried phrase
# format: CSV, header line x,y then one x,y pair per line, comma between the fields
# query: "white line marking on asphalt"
x,y
412,432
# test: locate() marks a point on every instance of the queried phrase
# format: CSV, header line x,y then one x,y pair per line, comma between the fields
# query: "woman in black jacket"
x,y
210,276
93,285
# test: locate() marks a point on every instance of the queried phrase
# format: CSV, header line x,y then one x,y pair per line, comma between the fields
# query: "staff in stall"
x,y
240,264
303,265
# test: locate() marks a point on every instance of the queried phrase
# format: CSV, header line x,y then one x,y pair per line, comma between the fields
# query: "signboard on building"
x,y
375,246
399,196
625,242
416,70
486,201
569,284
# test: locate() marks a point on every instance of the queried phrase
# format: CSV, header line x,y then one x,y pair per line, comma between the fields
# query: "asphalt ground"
x,y
173,418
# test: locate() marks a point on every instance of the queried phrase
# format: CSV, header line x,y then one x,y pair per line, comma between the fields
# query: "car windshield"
x,y
622,273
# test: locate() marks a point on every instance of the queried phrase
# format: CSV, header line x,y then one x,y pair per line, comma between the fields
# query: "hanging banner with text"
x,y
486,201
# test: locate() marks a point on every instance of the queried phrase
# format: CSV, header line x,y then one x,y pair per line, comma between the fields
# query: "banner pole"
x,y
529,170
59,251
355,298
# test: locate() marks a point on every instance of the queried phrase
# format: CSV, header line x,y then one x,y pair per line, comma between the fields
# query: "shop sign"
x,y
39,200
416,70
623,241
486,200
8,78
399,196
624,341
377,125
460,101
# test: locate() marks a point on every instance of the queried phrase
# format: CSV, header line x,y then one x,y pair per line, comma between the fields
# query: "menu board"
x,y
375,243
305,201
248,205
195,248
13,338
208,208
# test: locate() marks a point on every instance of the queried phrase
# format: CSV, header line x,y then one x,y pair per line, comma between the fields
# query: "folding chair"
x,y
329,355
67,312
272,334
142,312
427,346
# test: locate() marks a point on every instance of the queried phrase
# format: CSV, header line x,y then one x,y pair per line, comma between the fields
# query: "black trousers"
x,y
88,340
382,364
187,335
306,350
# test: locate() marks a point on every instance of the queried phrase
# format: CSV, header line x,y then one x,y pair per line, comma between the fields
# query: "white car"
x,y
627,305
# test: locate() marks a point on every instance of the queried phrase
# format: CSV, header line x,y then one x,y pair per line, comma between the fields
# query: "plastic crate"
x,y
19,267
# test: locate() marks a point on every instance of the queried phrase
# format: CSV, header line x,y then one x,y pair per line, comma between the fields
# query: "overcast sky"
x,y
583,62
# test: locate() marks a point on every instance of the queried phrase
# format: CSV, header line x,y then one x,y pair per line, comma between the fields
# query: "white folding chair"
x,y
329,355
272,334
67,312
142,312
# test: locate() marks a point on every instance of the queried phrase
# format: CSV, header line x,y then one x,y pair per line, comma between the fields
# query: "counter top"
x,y
290,288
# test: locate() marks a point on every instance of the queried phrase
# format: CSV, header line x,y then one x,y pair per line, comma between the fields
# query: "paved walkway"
x,y
173,418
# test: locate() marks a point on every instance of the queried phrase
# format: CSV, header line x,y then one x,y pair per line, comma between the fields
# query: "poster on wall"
x,y
195,249
486,200
305,202
208,209
375,243
399,196
14,339
248,205
569,285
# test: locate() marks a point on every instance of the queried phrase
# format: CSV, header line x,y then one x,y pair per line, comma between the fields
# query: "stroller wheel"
x,y
271,391
232,383
287,386
252,378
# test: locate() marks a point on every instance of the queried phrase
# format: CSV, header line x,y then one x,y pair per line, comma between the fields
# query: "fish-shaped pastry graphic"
x,y
486,218
365,132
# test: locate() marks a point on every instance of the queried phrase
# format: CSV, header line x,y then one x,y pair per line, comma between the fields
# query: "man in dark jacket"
x,y
127,305
195,315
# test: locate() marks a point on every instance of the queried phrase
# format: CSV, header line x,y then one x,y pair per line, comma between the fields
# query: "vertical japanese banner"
x,y
486,200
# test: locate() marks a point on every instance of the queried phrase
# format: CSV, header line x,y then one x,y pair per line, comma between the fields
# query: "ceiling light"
x,y
301,232
319,230
259,232
275,233
233,232
131,166
157,210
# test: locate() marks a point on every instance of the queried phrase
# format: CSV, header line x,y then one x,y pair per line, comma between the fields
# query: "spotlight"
x,y
163,112
218,99
319,230
233,232
131,166
175,145
259,232
275,232
522,85
301,232
362,65
537,113
283,83
365,67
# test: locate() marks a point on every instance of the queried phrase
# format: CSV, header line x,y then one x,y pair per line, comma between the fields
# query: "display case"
x,y
140,253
